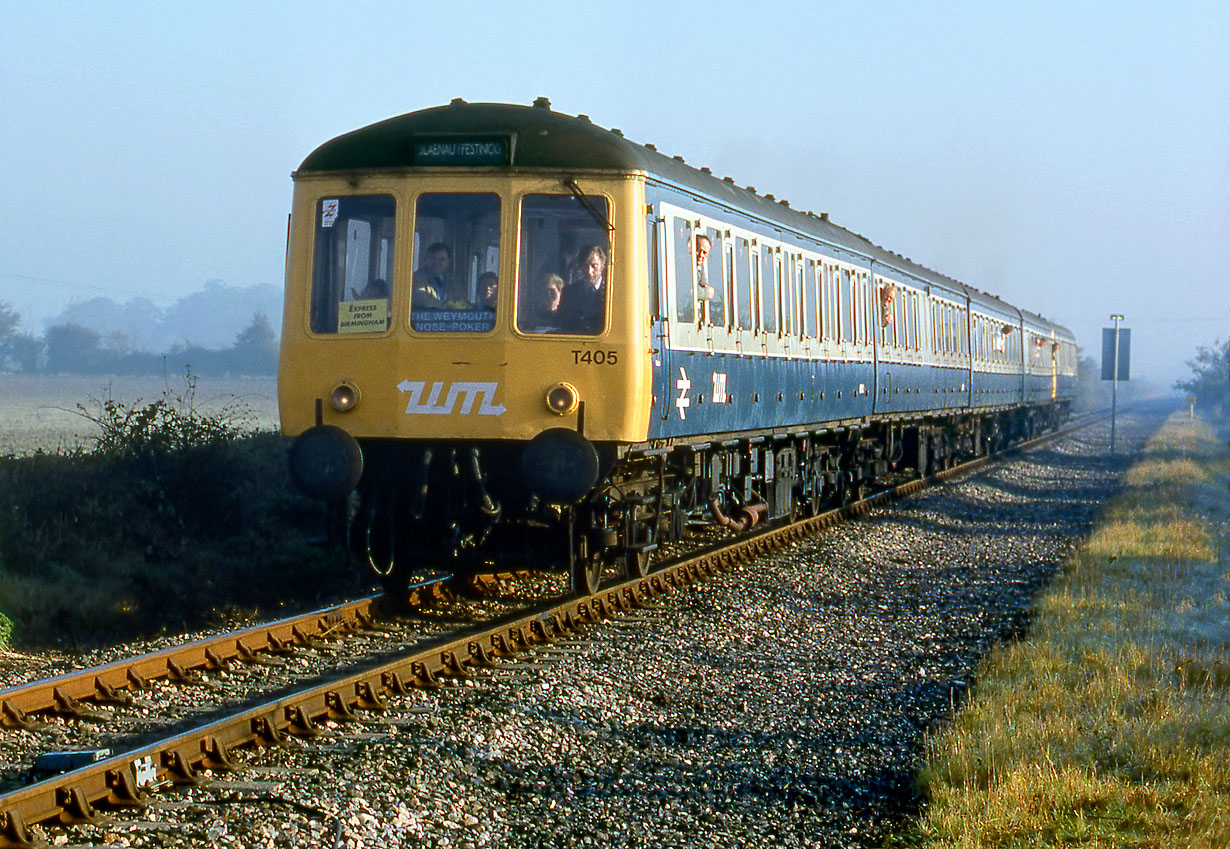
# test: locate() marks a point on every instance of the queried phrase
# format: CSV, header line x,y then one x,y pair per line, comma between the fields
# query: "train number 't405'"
x,y
598,358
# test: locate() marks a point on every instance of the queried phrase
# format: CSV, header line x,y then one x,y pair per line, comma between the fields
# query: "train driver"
x,y
431,288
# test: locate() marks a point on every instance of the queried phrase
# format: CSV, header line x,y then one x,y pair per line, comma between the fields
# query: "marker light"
x,y
344,397
562,399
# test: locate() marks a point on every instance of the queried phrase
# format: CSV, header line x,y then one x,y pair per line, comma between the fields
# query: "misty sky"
x,y
1070,157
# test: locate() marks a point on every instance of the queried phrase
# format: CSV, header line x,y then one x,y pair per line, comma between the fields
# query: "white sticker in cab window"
x,y
328,212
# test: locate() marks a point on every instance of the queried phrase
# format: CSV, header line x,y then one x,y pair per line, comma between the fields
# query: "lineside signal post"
x,y
1116,364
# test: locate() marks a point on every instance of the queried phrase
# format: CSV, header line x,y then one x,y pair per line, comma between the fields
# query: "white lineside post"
x,y
1114,383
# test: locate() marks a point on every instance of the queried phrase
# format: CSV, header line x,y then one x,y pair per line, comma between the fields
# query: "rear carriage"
x,y
732,361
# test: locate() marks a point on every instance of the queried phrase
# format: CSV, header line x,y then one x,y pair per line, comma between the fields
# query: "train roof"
x,y
541,138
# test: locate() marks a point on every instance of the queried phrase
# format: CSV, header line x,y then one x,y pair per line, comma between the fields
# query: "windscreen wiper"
x,y
588,204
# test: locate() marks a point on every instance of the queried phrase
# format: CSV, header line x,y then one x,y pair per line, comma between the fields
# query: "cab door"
x,y
662,343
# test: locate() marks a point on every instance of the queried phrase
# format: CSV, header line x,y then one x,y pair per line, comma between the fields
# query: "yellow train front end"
x,y
465,350
373,344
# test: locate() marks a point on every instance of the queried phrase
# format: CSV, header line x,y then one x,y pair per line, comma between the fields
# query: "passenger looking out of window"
x,y
488,289
431,282
888,294
703,246
583,305
549,298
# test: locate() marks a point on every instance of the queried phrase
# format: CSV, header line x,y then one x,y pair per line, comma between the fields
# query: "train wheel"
x,y
636,564
586,575
585,569
846,491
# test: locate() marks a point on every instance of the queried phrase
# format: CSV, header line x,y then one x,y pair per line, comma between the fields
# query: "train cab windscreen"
x,y
353,264
455,285
564,259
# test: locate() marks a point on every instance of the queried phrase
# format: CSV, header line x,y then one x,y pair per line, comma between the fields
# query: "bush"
x,y
173,519
170,424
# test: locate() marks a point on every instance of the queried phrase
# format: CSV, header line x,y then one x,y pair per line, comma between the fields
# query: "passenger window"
x,y
710,283
888,296
790,296
809,300
353,264
455,286
563,265
684,268
728,283
846,294
860,307
869,308
743,284
829,312
768,282
913,308
902,332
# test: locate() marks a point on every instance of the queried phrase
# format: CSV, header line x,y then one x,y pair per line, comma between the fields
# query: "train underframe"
x,y
466,507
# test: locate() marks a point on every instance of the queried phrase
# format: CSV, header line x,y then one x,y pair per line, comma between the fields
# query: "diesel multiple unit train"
x,y
514,338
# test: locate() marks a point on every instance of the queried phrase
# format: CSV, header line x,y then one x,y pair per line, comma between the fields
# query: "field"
x,y
39,412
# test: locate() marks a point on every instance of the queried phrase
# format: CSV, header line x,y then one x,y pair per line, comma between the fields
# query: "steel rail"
x,y
126,779
113,683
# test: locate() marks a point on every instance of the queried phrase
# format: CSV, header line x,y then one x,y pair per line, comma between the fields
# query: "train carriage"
x,y
513,337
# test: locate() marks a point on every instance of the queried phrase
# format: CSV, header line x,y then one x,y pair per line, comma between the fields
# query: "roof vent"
x,y
456,101
541,103
619,133
728,179
784,202
705,171
584,118
770,197
679,158
650,146
824,216
752,189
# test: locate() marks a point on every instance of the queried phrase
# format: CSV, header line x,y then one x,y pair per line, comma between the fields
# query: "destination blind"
x,y
455,150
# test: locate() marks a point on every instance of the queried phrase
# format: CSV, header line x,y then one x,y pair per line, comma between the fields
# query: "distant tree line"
x,y
72,348
1210,380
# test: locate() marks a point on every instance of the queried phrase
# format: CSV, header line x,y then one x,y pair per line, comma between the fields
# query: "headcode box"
x,y
1108,353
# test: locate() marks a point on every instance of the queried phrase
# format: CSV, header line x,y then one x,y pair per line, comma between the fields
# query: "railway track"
x,y
336,695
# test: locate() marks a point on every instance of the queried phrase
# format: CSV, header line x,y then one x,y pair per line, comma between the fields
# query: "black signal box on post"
x,y
1110,356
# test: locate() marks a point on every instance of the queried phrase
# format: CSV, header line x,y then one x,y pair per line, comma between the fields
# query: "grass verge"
x,y
1110,724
